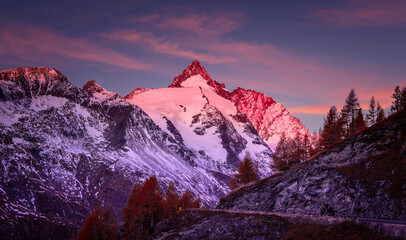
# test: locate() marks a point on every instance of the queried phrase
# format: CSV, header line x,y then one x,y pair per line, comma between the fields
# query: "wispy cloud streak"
x,y
366,13
32,41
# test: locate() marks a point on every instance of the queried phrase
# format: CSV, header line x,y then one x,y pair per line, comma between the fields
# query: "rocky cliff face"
x,y
269,118
362,177
19,222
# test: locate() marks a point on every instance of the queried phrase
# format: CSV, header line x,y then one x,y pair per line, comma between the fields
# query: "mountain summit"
x,y
195,68
268,117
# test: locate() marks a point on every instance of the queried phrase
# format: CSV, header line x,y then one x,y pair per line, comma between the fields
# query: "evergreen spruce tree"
x,y
99,225
332,129
247,173
403,99
380,113
360,122
349,112
372,112
280,155
297,150
397,98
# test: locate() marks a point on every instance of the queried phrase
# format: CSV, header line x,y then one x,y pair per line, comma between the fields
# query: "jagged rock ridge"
x,y
195,68
269,118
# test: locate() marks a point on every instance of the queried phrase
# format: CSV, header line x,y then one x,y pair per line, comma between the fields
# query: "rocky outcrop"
x,y
269,118
362,177
221,225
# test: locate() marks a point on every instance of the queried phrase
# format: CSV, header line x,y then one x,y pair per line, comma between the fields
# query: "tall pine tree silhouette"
x,y
349,111
380,113
372,112
332,132
360,122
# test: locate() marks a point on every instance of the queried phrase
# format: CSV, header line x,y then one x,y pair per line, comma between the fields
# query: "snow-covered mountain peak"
x,y
195,68
97,92
40,74
135,92
93,87
29,82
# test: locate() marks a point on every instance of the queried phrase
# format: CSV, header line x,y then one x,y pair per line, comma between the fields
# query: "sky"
x,y
307,55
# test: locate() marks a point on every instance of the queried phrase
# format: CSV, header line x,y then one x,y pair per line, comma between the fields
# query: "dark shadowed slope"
x,y
364,176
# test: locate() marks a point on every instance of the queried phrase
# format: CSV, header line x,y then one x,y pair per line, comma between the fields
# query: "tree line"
x,y
337,126
144,209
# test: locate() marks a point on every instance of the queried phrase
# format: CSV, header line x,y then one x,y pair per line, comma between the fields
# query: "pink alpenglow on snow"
x,y
269,118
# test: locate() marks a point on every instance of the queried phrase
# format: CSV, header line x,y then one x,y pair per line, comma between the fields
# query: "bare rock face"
x,y
362,177
217,225
19,222
195,68
269,118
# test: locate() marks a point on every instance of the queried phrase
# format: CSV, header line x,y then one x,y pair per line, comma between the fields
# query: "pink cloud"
x,y
201,24
28,41
160,45
204,24
366,13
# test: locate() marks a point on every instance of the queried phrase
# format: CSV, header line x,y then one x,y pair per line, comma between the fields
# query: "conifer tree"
x,y
132,220
151,203
403,99
187,200
332,129
349,111
297,150
360,122
99,225
307,147
247,173
397,98
144,210
372,112
315,143
280,155
380,113
171,203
